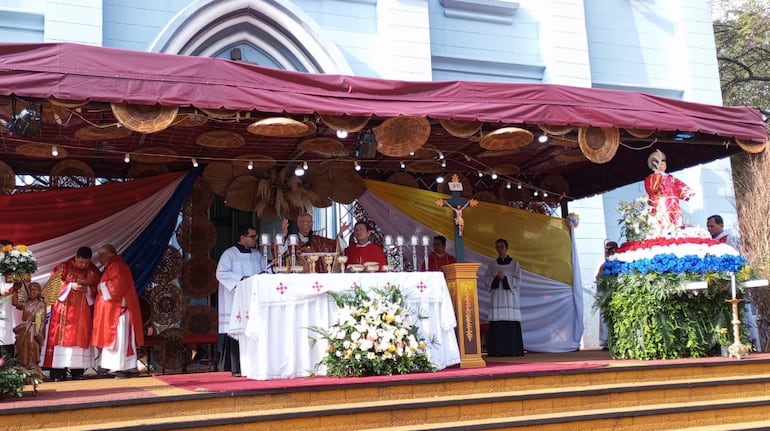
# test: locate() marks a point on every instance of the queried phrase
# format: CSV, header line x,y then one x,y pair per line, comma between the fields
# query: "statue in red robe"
x,y
664,193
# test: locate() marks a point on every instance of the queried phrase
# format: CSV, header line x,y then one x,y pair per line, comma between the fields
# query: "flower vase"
x,y
21,276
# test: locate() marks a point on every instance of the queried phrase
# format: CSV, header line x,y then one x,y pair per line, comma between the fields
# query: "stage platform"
x,y
119,395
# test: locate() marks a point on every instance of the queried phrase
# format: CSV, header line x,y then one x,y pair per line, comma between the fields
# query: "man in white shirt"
x,y
716,227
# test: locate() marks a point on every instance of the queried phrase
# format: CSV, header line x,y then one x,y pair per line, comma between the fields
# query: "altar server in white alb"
x,y
503,279
237,263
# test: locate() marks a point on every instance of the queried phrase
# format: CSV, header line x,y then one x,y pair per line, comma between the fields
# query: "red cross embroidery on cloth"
x,y
317,286
281,288
421,287
238,316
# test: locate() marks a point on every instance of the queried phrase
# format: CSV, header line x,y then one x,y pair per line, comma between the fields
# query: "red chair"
x,y
193,341
151,340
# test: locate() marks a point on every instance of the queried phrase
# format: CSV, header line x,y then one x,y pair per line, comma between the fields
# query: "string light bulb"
x,y
54,151
251,165
494,175
304,165
194,163
403,165
542,138
508,185
356,166
545,194
535,193
440,179
127,158
298,171
443,163
440,155
481,174
342,134
518,186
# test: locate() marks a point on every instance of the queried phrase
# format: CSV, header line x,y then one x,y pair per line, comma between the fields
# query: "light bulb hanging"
x,y
508,185
403,165
440,179
342,134
356,166
251,165
54,151
127,158
304,165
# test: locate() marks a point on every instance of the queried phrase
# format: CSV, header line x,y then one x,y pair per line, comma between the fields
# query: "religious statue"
x,y
458,210
665,191
30,333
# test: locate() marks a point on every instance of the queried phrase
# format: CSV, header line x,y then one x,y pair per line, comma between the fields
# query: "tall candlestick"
x,y
400,240
415,240
278,239
293,239
388,240
414,253
425,249
265,239
425,240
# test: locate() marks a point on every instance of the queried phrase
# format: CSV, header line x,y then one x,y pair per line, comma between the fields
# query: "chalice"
x,y
329,261
342,260
313,259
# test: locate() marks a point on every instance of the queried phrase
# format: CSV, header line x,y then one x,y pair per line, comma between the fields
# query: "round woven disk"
x,y
197,235
242,193
278,126
427,152
461,128
220,139
506,138
503,170
72,173
168,304
67,103
563,141
154,155
403,179
7,178
399,136
347,185
751,147
172,354
424,167
571,156
555,130
219,176
144,118
323,146
43,151
599,144
496,153
199,200
640,133
555,184
198,277
94,133
145,308
190,119
141,170
221,114
347,123
200,319
169,267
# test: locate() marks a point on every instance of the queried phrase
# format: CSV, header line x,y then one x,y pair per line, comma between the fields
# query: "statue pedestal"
x,y
461,280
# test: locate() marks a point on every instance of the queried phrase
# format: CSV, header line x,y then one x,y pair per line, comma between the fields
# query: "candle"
x,y
732,282
388,240
278,238
265,239
415,240
425,240
399,240
292,239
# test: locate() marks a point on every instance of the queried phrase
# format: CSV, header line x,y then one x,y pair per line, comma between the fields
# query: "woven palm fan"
x,y
173,352
424,167
347,123
197,235
599,144
101,133
399,136
221,114
38,150
7,179
242,193
640,133
514,196
200,319
220,139
461,128
198,277
750,146
169,267
555,130
278,127
486,196
467,186
347,185
154,155
555,185
168,304
141,170
571,156
506,138
189,119
72,173
144,118
323,146
403,179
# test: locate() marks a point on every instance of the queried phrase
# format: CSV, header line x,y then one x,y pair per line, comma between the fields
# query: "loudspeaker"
x,y
366,146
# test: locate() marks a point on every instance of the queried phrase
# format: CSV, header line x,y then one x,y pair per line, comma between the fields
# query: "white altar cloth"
x,y
272,314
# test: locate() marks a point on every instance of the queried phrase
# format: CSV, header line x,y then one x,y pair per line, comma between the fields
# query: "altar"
x,y
272,315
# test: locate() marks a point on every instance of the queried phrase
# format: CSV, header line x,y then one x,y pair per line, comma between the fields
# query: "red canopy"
x,y
69,71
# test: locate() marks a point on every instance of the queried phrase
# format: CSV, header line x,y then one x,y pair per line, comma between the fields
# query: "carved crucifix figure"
x,y
457,203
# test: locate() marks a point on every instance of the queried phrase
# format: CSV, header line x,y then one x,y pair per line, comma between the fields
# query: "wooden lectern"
x,y
462,282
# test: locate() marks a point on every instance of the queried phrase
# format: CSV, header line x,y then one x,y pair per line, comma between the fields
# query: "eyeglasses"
x,y
252,236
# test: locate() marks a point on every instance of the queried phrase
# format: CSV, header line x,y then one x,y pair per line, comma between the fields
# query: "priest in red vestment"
x,y
364,250
117,317
69,329
439,257
309,242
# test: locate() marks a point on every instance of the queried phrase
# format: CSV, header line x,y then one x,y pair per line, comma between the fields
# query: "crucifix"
x,y
457,203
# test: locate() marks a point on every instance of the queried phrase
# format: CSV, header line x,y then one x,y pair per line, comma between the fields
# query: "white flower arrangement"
x,y
373,335
17,260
